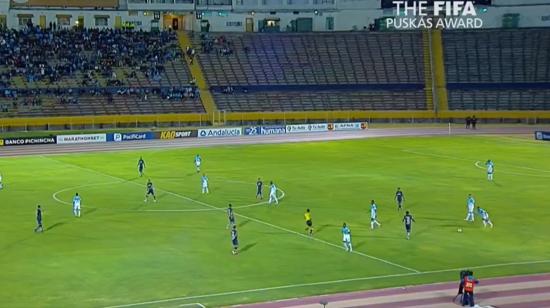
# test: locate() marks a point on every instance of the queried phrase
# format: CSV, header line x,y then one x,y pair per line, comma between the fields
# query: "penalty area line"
x,y
328,282
251,218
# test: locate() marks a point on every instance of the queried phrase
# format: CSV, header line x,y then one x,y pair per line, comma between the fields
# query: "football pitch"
x,y
177,252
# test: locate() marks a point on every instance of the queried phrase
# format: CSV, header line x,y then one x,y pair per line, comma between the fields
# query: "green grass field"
x,y
124,251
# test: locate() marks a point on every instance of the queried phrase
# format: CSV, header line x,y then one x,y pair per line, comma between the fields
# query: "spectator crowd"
x,y
35,62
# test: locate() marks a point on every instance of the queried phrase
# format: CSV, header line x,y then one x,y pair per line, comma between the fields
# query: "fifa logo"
x,y
437,14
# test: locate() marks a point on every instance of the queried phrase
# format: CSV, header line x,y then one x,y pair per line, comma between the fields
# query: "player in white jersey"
x,y
373,215
471,203
204,180
76,205
484,217
346,238
490,169
198,162
273,193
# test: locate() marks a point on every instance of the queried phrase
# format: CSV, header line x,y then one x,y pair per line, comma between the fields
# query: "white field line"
x,y
54,196
436,155
193,304
290,286
252,219
480,166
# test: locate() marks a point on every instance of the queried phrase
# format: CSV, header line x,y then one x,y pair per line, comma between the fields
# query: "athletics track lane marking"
x,y
290,286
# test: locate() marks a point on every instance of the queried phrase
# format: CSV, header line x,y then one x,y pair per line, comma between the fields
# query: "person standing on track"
x,y
469,283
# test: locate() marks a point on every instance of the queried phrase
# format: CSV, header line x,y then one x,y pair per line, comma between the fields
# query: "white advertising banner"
x,y
84,138
306,128
220,132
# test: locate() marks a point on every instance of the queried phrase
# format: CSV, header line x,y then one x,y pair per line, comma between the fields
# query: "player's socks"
x,y
350,247
372,225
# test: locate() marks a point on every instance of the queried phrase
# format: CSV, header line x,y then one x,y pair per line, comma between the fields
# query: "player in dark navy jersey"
x,y
141,166
39,227
259,185
230,216
408,220
399,198
235,240
150,191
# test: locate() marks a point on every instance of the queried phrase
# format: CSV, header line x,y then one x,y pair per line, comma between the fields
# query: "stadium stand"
x,y
344,64
321,100
85,72
53,72
325,58
498,69
532,99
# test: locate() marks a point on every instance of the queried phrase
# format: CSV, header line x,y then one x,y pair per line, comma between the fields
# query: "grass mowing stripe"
x,y
290,286
250,218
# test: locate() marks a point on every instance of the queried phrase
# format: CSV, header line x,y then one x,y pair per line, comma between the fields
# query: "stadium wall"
x,y
244,118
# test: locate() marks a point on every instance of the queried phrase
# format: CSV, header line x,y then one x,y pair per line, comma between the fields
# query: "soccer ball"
x,y
459,230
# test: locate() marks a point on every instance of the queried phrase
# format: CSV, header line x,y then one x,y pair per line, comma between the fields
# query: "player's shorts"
x,y
140,169
198,164
150,191
259,192
372,218
346,238
235,242
232,220
408,228
400,202
309,223
76,206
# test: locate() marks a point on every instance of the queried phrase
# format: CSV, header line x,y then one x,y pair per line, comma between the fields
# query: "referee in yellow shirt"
x,y
309,223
